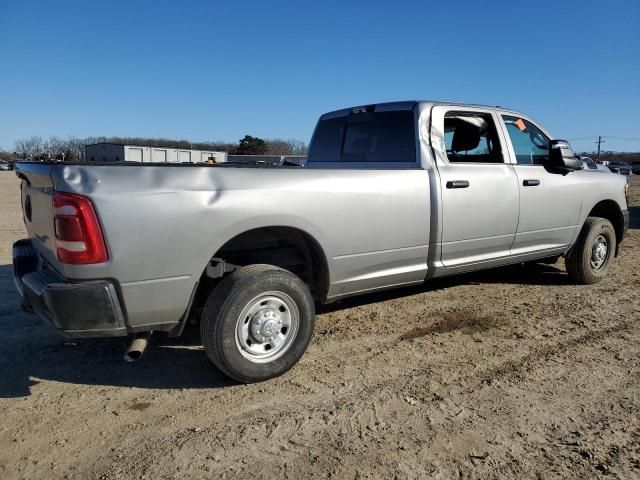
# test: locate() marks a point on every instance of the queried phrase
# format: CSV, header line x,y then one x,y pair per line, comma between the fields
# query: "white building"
x,y
113,152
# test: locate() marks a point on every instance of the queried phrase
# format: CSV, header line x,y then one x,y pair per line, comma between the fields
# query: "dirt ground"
x,y
512,373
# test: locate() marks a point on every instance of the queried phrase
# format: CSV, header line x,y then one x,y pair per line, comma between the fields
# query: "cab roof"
x,y
404,105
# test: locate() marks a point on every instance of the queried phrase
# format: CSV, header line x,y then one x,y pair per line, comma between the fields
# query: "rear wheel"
x,y
590,258
257,322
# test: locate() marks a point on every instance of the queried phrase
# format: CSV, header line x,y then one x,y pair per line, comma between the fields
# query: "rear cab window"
x,y
365,138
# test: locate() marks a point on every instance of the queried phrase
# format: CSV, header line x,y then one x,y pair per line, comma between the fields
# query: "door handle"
x,y
458,184
531,183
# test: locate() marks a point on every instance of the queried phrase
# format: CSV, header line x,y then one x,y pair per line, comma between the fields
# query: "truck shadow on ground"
x,y
31,351
46,356
634,217
530,274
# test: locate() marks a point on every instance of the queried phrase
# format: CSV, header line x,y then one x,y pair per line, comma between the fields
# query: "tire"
x,y
580,260
257,323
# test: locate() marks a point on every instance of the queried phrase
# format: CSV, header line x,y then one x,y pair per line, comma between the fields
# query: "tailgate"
x,y
37,209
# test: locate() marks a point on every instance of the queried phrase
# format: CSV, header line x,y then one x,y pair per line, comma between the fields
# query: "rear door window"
x,y
471,137
366,137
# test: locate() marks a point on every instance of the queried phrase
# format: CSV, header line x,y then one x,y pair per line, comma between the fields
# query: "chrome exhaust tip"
x,y
137,347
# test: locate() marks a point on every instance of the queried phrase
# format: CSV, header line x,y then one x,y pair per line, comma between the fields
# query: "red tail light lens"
x,y
79,238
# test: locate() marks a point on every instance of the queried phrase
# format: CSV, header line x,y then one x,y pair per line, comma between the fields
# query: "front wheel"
x,y
590,258
257,323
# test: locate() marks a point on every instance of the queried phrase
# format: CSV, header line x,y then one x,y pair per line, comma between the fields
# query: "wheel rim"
x,y
267,327
599,252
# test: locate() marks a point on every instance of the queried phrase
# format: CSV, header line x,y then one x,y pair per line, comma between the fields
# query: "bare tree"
x,y
297,147
30,147
278,146
55,148
74,148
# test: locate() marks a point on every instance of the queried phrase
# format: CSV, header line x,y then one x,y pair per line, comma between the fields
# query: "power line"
x,y
611,137
623,138
581,138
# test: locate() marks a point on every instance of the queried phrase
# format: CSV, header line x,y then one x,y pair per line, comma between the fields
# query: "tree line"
x,y
72,148
630,157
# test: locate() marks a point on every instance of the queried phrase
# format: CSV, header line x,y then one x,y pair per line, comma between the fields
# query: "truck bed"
x,y
164,222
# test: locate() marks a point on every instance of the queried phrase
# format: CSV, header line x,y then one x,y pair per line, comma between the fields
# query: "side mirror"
x,y
562,158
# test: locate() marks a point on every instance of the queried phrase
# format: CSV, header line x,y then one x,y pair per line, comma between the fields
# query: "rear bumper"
x,y
75,309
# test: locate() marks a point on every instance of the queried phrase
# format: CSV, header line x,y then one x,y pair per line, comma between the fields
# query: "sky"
x,y
217,70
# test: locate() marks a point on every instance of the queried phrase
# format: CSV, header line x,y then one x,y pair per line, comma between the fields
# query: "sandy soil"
x,y
513,373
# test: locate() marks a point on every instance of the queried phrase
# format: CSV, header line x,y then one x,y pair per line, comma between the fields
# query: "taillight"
x,y
79,237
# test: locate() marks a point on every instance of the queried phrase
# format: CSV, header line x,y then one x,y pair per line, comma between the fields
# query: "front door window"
x,y
530,145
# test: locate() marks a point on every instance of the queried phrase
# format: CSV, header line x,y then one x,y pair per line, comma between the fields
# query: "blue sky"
x,y
207,70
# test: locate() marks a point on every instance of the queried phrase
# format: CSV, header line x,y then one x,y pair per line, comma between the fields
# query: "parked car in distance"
x,y
635,168
5,165
622,168
391,195
590,164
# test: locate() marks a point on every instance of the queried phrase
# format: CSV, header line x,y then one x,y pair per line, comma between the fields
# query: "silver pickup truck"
x,y
391,195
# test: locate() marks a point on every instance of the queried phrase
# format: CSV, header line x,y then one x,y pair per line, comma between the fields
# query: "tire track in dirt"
x,y
316,408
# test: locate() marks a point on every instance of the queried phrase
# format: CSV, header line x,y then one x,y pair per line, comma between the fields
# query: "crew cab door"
x,y
479,190
550,203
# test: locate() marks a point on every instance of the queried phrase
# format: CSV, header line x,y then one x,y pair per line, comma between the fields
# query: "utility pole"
x,y
600,141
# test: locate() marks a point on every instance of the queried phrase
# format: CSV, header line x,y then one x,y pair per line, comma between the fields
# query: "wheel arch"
x,y
287,247
610,210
